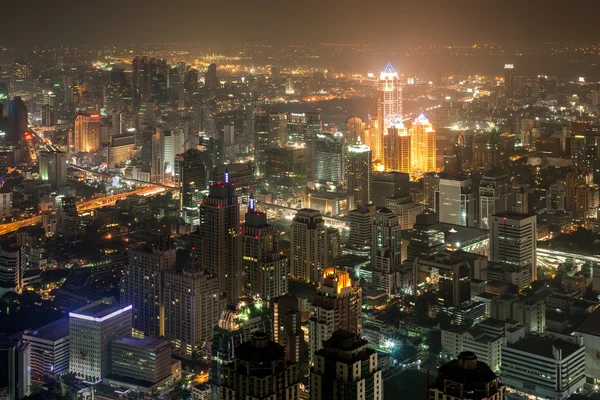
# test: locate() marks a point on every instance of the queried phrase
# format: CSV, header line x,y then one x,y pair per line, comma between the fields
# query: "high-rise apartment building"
x,y
142,285
211,80
308,247
385,250
359,174
266,271
346,368
87,132
192,305
354,130
278,129
262,142
337,304
456,201
260,371
219,232
513,240
493,195
389,107
91,330
287,326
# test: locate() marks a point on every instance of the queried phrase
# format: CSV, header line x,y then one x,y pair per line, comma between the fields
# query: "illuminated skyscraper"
x,y
308,249
219,231
359,175
389,106
277,129
53,167
423,146
87,132
397,148
287,326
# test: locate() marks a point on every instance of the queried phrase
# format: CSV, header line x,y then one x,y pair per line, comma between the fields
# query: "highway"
x,y
85,206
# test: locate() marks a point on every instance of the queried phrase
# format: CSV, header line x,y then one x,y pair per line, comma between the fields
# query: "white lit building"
x,y
49,349
92,329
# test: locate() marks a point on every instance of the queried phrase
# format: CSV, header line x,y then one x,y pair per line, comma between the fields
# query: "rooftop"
x,y
543,346
592,324
513,215
100,310
51,332
146,342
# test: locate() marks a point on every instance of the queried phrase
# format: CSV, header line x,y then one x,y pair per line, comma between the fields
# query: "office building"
x,y
260,371
146,360
15,370
143,72
92,329
173,143
360,220
528,311
278,129
359,175
423,146
456,201
493,195
431,184
385,250
68,221
544,367
287,326
329,160
337,306
513,240
448,278
308,247
427,237
192,307
556,196
285,170
53,167
389,184
589,330
266,271
219,231
303,129
466,378
49,349
346,368
87,132
191,175
142,285
389,107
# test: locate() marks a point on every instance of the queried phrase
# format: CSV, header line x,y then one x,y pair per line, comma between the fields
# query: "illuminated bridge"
x,y
289,213
110,176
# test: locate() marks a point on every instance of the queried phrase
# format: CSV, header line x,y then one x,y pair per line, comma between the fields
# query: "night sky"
x,y
58,22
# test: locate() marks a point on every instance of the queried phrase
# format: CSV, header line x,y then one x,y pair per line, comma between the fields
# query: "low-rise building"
x,y
49,349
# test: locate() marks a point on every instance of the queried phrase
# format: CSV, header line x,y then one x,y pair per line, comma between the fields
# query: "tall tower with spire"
x,y
389,106
219,244
265,270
